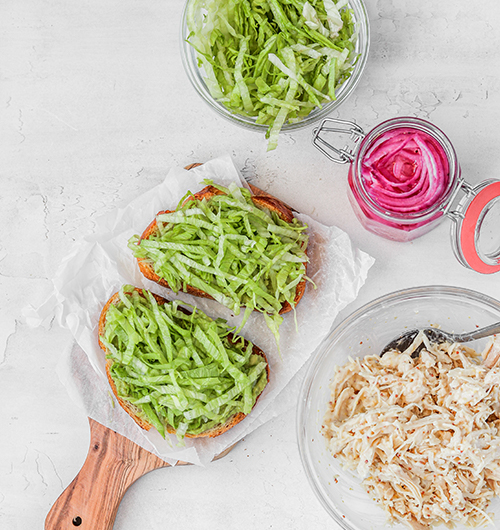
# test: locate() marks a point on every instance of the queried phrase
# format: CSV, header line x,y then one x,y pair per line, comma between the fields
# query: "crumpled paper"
x,y
102,262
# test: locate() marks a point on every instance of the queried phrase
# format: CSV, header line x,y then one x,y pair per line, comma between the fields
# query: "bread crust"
x,y
133,411
261,201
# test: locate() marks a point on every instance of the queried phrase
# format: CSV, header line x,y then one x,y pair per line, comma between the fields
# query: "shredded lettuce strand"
x,y
272,59
239,254
179,369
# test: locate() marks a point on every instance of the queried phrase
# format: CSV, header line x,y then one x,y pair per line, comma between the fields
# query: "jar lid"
x,y
475,232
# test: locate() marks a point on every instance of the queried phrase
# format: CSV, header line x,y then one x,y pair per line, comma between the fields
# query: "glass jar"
x,y
404,178
197,75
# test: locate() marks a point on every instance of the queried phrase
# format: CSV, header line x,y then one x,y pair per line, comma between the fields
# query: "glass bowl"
x,y
195,75
364,332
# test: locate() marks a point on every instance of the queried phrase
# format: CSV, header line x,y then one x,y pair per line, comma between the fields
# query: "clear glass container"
x,y
196,75
367,331
474,245
393,225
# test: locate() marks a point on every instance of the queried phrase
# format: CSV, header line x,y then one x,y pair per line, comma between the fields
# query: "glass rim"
x,y
189,61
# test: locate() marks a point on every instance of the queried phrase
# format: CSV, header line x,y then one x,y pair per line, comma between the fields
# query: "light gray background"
x,y
95,107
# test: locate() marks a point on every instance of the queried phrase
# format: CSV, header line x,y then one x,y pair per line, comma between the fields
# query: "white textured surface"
x,y
94,109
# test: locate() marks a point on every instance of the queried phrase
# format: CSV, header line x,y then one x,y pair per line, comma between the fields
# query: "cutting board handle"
x,y
91,501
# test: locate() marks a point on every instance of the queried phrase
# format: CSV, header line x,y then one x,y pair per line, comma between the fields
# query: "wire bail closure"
x,y
463,187
346,154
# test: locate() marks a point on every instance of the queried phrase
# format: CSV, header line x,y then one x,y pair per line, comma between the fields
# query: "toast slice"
x,y
134,411
261,201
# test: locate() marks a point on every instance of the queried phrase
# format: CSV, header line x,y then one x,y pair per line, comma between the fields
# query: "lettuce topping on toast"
x,y
181,371
227,247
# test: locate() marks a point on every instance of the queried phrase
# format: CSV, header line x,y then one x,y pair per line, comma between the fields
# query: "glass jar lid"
x,y
475,231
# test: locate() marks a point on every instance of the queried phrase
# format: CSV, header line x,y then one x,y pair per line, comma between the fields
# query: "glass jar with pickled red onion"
x,y
404,178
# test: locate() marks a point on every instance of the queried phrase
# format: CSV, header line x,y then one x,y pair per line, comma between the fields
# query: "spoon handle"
x,y
492,329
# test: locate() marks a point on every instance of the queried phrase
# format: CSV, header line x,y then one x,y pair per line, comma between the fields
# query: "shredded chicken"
x,y
423,434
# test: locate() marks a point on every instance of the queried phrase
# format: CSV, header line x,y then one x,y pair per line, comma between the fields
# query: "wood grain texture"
x,y
113,464
91,501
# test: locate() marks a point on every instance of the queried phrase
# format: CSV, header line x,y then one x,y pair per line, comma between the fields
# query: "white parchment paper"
x,y
102,262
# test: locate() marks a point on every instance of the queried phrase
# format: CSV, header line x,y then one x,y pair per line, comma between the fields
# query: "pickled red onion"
x,y
405,170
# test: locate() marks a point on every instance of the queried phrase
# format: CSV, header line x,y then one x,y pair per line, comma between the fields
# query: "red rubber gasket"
x,y
468,229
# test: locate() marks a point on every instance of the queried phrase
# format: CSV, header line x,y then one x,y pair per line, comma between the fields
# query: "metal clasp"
x,y
456,215
345,155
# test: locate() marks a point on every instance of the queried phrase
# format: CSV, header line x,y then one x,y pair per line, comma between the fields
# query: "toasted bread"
x,y
261,201
135,412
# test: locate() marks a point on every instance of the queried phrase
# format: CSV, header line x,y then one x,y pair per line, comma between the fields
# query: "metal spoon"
x,y
404,341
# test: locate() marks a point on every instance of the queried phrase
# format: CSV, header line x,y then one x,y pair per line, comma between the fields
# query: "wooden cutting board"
x,y
113,463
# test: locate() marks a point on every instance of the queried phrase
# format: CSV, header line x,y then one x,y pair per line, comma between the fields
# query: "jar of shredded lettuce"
x,y
274,65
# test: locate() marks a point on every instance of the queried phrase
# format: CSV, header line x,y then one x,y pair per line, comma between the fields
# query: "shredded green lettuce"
x,y
241,255
271,59
179,369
